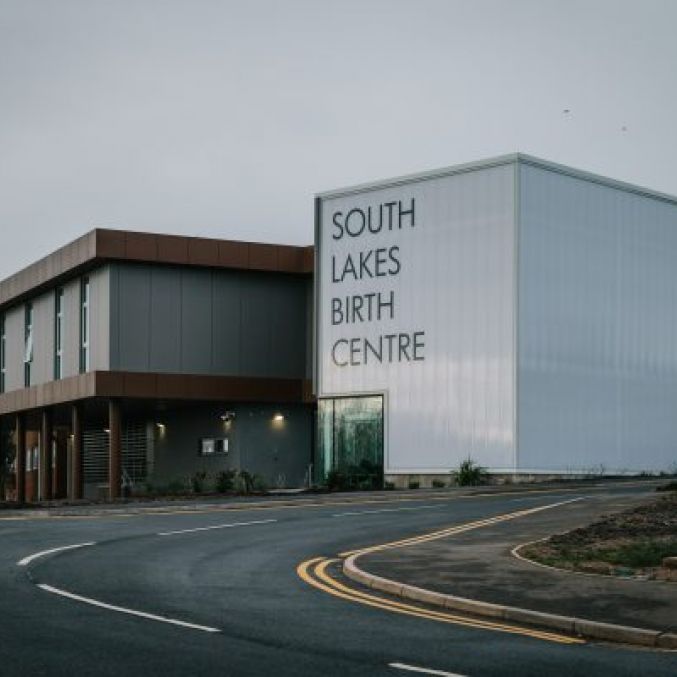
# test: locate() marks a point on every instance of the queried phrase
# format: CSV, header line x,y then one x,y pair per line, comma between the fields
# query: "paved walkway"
x,y
479,565
65,508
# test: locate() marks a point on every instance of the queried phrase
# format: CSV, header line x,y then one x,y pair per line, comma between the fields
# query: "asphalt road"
x,y
253,614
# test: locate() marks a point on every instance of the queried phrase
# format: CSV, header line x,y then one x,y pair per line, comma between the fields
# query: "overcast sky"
x,y
222,118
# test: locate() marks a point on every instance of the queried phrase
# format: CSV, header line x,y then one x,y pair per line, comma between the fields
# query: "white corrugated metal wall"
x,y
457,285
597,378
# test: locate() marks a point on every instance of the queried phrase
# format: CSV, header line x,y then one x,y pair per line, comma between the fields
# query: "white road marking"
x,y
123,610
216,526
27,560
373,512
425,671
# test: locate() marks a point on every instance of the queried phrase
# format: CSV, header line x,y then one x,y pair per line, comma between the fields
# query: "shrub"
x,y
337,481
176,486
670,486
258,484
438,484
225,481
244,482
414,484
470,474
197,481
364,476
389,485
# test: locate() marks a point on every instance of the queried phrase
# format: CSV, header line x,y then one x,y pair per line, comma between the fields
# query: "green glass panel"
x,y
350,444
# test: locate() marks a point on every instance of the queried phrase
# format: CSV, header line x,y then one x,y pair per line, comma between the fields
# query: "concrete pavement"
x,y
202,503
479,565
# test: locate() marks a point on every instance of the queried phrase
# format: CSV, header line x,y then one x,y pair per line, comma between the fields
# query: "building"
x,y
130,358
511,311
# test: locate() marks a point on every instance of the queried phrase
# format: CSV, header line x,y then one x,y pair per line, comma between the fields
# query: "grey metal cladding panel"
x,y
201,321
42,369
99,282
597,327
196,321
14,329
165,320
287,315
134,312
255,347
114,326
309,315
226,328
71,330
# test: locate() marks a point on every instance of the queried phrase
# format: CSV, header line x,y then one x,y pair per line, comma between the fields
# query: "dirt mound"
x,y
629,543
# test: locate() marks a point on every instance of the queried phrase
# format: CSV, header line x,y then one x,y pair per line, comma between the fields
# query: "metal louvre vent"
x,y
134,454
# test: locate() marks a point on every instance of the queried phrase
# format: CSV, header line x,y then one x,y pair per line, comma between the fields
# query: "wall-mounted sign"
x,y
209,446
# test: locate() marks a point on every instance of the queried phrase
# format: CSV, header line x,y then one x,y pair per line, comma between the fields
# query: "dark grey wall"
x,y
277,451
173,319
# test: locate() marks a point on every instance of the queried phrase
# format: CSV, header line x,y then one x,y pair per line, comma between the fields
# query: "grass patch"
x,y
649,553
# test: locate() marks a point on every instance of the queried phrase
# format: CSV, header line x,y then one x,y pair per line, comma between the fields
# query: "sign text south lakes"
x,y
372,267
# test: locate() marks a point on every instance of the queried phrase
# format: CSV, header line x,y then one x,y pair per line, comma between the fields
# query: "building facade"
x,y
512,311
131,359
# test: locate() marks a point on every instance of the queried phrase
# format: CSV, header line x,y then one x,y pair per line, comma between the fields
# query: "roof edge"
x,y
102,245
421,176
497,161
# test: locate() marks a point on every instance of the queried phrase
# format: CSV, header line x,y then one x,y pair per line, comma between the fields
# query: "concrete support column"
x,y
20,461
46,456
60,488
114,450
76,459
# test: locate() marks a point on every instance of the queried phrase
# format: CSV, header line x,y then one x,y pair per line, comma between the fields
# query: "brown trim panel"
x,y
100,245
157,387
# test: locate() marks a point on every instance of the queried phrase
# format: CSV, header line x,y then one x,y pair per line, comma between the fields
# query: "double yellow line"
x,y
451,531
314,572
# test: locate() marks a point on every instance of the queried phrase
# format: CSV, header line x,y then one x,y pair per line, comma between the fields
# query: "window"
x,y
350,439
3,354
28,343
58,334
84,325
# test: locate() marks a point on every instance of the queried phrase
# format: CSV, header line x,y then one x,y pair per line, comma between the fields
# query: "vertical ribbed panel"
x,y
597,385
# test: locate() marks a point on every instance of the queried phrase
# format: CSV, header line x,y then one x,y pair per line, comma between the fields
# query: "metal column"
x,y
20,462
114,450
76,459
46,456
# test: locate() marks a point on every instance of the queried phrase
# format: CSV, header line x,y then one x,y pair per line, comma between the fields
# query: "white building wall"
x,y
42,369
71,330
456,285
597,375
14,329
99,321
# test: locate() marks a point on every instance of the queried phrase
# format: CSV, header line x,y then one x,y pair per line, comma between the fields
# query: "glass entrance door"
x,y
350,444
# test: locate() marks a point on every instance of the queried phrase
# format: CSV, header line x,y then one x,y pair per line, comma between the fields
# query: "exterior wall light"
x,y
107,431
227,416
278,417
161,427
